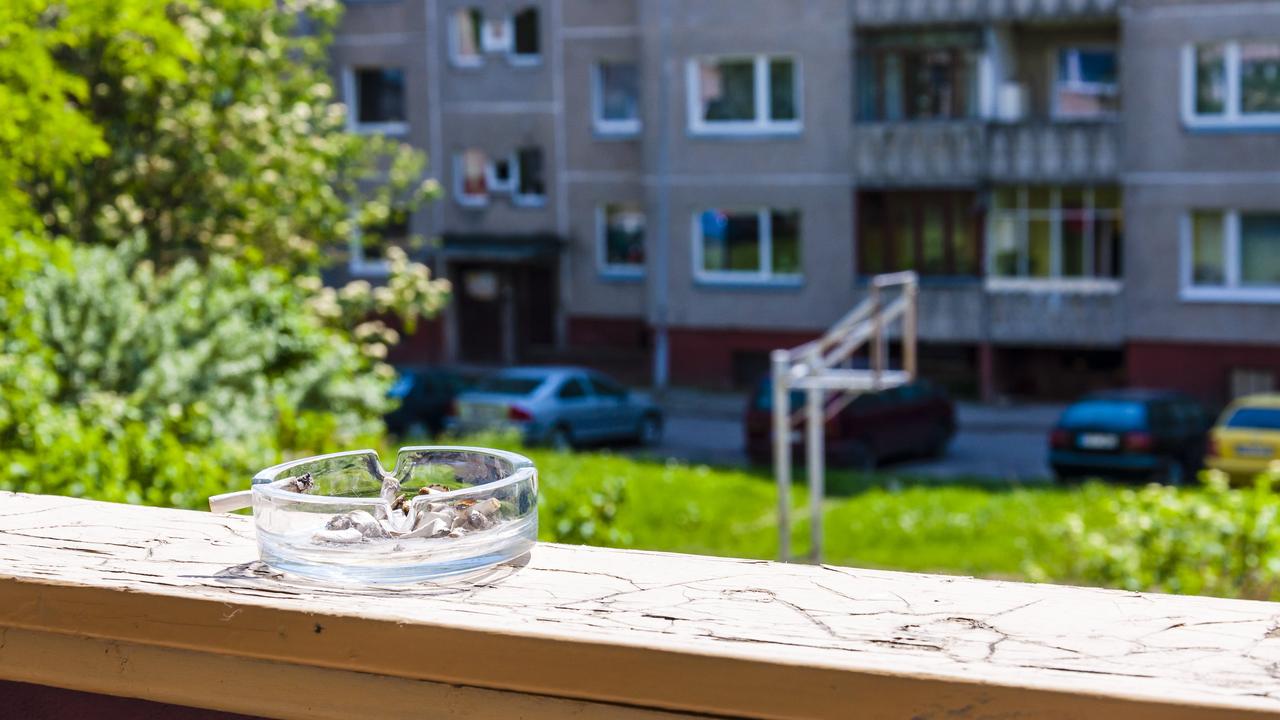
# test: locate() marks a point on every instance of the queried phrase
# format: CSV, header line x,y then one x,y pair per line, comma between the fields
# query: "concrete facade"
x,y
820,165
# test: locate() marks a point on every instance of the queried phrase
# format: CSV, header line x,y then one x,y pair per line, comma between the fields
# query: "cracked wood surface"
x,y
591,632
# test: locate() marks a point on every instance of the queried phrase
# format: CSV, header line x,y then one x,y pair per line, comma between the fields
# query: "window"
x,y
1231,84
369,245
751,94
471,178
605,388
1087,83
472,35
464,37
918,75
530,190
615,98
933,233
747,245
1231,255
525,40
572,389
620,227
378,95
1055,232
476,177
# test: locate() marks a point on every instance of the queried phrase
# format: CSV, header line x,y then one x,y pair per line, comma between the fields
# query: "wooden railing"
x,y
171,606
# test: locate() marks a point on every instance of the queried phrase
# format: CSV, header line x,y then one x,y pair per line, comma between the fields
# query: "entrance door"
x,y
482,292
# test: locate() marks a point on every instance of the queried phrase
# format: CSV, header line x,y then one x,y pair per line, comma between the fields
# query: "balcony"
x,y
949,153
171,606
911,12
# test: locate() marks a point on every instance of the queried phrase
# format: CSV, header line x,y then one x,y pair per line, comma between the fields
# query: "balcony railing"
x,y
171,606
905,12
965,152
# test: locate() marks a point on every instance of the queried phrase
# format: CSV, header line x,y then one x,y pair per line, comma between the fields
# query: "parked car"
x,y
558,406
425,394
917,419
1129,434
1246,438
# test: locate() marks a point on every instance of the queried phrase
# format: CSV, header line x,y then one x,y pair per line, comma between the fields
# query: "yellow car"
x,y
1246,438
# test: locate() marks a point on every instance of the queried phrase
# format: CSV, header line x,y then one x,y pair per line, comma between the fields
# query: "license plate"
x,y
481,413
1254,451
1098,441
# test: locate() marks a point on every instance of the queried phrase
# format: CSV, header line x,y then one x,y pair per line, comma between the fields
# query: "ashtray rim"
x,y
523,468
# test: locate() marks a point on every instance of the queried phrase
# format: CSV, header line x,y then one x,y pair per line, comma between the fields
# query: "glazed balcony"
x,y
913,12
171,606
965,152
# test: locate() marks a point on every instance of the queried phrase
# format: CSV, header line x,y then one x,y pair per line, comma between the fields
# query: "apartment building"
x,y
1089,188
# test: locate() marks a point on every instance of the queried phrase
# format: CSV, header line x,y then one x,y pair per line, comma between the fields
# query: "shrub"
x,y
1213,540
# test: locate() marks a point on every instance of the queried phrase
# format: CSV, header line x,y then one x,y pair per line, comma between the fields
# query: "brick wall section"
x,y
1200,369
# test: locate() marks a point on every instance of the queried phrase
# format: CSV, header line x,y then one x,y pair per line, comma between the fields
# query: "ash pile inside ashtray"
x,y
403,517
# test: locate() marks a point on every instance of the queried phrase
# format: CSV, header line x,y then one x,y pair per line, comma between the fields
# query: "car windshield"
x,y
1106,414
1257,418
509,385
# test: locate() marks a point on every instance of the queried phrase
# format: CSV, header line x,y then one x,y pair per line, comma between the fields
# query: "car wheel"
x,y
650,430
1065,478
560,438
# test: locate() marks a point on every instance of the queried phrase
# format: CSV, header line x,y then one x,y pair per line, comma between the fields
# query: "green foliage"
x,y
1214,540
166,388
588,516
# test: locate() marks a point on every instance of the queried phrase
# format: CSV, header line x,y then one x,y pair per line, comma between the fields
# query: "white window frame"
x,y
523,59
1231,117
603,126
1094,88
1055,280
1230,290
464,61
761,124
763,276
519,199
459,182
603,266
351,96
513,175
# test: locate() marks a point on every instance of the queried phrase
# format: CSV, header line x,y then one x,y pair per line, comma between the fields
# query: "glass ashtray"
x,y
443,512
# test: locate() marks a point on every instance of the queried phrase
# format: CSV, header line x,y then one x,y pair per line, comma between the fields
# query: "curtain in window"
x,y
474,163
466,32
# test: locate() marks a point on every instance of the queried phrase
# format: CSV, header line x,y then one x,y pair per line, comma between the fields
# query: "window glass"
x,y
903,221
727,89
1086,83
731,242
380,95
1073,241
509,385
782,89
525,25
1260,249
1039,247
624,235
466,23
939,226
785,226
619,90
1260,77
1208,264
918,75
375,240
933,239
530,182
872,244
1107,242
1004,242
891,85
474,177
571,389
1211,79
605,387
964,244
1039,197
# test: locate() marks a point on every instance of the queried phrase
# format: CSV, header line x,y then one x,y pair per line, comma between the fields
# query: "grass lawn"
x,y
875,520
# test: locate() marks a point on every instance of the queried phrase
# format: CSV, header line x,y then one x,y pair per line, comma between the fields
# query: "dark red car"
x,y
917,419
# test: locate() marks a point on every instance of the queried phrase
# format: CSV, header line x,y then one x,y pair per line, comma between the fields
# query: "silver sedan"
x,y
558,406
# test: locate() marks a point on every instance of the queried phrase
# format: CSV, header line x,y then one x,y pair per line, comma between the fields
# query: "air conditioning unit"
x,y
1011,102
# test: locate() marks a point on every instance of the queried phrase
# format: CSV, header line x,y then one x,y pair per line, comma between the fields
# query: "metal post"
x,y
813,444
661,239
781,360
877,338
909,329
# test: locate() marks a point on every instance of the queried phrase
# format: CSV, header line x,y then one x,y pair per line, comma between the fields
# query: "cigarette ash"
x,y
403,517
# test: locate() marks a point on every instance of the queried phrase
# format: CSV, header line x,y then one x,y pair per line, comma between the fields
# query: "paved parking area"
x,y
1003,442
